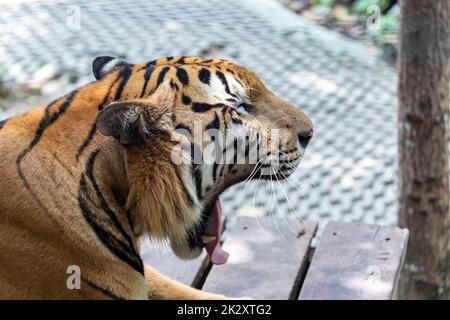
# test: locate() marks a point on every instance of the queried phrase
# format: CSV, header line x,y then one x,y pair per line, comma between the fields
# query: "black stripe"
x,y
234,115
248,107
148,64
130,221
221,170
181,60
182,76
236,120
125,74
148,73
93,129
214,173
240,83
224,151
222,78
115,246
247,147
189,198
225,110
2,123
186,100
182,126
197,175
196,170
161,76
216,162
47,121
214,124
204,107
120,249
257,145
235,148
87,141
35,197
204,75
102,200
173,85
106,292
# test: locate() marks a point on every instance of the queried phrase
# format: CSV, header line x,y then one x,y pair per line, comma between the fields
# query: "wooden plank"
x,y
268,258
190,272
356,261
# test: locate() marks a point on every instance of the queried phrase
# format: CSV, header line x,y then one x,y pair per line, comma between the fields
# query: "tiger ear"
x,y
101,66
132,122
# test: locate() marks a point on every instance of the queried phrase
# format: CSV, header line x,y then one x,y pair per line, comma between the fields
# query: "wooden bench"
x,y
272,258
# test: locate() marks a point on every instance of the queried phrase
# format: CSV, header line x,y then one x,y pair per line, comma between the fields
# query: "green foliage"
x,y
388,26
376,19
390,20
361,6
323,3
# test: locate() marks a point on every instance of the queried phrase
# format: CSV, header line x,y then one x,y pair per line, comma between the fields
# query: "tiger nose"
x,y
305,137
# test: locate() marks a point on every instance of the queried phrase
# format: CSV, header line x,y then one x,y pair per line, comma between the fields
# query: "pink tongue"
x,y
214,228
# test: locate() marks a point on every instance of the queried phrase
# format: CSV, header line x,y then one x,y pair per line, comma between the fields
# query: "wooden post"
x,y
424,68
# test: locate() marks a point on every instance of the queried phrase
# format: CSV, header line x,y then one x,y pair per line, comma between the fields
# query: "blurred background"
x,y
333,58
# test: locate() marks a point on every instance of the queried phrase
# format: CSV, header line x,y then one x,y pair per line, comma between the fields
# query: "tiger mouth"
x,y
212,235
209,234
282,171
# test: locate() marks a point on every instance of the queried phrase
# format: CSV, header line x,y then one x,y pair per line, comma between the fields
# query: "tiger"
x,y
88,175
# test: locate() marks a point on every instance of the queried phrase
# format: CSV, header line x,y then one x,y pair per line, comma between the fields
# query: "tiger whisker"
x,y
297,215
305,180
256,216
248,180
306,183
275,202
310,183
292,184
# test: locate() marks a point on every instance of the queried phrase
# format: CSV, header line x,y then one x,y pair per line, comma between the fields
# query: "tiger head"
x,y
191,128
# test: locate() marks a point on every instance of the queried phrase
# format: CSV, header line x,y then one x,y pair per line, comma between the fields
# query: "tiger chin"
x,y
144,150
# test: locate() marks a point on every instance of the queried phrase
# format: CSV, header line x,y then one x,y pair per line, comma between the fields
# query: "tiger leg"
x,y
164,288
